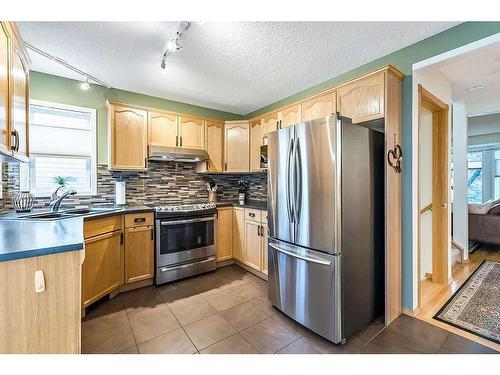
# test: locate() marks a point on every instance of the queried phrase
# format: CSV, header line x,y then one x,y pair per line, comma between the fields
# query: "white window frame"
x,y
93,156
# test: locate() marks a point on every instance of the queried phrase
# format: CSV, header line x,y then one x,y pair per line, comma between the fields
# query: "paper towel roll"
x,y
120,192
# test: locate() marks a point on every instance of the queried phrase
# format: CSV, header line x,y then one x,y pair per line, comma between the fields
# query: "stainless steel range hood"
x,y
165,153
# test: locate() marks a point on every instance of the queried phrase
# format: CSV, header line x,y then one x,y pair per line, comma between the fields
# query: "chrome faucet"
x,y
56,201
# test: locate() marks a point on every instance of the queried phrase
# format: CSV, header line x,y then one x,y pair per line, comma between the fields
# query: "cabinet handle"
x,y
251,214
225,166
277,124
139,220
121,238
152,234
15,134
176,140
258,230
181,140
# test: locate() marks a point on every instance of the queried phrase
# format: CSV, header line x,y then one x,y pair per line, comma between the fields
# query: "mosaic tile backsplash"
x,y
163,183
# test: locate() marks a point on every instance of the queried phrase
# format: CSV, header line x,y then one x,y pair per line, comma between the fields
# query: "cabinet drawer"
x,y
96,227
139,220
252,214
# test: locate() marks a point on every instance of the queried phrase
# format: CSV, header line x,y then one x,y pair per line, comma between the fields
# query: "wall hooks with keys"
x,y
395,156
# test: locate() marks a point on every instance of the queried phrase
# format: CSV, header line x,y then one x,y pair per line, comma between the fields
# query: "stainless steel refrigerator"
x,y
326,225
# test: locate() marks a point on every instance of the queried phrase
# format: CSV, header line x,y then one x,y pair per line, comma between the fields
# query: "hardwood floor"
x,y
434,295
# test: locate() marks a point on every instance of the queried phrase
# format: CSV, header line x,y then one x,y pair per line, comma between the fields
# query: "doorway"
x,y
433,194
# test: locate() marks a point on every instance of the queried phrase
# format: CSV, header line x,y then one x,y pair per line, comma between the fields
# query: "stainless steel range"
x,y
185,241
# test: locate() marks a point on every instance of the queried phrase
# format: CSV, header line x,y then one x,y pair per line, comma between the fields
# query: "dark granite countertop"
x,y
20,238
256,204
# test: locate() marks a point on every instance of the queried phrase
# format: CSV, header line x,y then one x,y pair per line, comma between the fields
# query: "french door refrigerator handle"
x,y
289,182
294,255
298,183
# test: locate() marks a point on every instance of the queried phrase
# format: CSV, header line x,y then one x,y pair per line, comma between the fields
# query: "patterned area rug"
x,y
475,306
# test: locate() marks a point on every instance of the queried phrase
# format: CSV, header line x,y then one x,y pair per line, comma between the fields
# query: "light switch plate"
x,y
39,282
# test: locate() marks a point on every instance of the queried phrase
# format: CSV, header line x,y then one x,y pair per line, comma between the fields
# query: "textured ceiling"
x,y
236,67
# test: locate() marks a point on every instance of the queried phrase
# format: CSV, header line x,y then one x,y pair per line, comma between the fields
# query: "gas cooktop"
x,y
185,209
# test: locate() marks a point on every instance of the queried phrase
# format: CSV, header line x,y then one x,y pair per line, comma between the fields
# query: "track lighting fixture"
x,y
173,44
85,85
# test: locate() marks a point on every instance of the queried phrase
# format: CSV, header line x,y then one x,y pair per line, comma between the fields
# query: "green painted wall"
x,y
403,59
67,91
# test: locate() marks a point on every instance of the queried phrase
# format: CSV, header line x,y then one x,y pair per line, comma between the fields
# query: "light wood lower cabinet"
x,y
264,248
253,245
47,322
224,234
239,234
102,270
139,253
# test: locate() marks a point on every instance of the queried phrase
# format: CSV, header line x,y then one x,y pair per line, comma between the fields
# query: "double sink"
x,y
67,213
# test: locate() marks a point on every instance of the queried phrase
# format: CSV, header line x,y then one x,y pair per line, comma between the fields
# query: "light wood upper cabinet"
x,y
363,99
224,235
214,147
318,107
41,323
289,116
162,129
4,87
127,137
256,140
191,132
19,100
139,253
239,234
271,122
236,146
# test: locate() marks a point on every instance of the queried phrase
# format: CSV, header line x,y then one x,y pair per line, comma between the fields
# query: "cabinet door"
x,y
139,253
362,100
289,116
4,87
224,236
214,145
236,141
256,140
102,268
162,129
20,100
271,122
128,138
264,249
320,106
253,244
191,132
239,235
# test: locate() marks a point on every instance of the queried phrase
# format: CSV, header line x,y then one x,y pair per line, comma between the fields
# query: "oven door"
x,y
184,240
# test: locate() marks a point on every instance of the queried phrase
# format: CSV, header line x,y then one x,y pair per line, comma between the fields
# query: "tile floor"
x,y
227,311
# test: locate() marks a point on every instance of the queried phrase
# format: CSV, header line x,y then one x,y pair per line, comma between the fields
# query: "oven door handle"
x,y
197,220
165,269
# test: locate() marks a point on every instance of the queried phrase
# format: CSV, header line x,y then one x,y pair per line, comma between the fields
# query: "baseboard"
x,y
411,312
251,270
225,263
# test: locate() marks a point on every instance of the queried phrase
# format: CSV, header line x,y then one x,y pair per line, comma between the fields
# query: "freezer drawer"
x,y
305,285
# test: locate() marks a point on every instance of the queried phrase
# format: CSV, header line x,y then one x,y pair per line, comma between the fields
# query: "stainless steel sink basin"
x,y
46,216
87,210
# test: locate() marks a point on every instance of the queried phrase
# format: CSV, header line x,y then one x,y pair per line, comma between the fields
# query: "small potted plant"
x,y
61,185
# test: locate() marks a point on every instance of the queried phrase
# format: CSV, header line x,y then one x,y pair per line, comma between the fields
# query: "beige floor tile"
x,y
268,336
191,309
108,341
176,292
104,306
224,300
144,302
174,342
299,346
104,322
205,283
235,344
262,303
290,324
243,316
251,290
208,331
130,350
152,323
353,345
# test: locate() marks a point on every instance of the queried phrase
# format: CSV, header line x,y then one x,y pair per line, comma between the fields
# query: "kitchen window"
x,y
62,144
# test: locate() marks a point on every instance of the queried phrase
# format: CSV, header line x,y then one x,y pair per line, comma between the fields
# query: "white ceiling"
x,y
236,67
473,68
